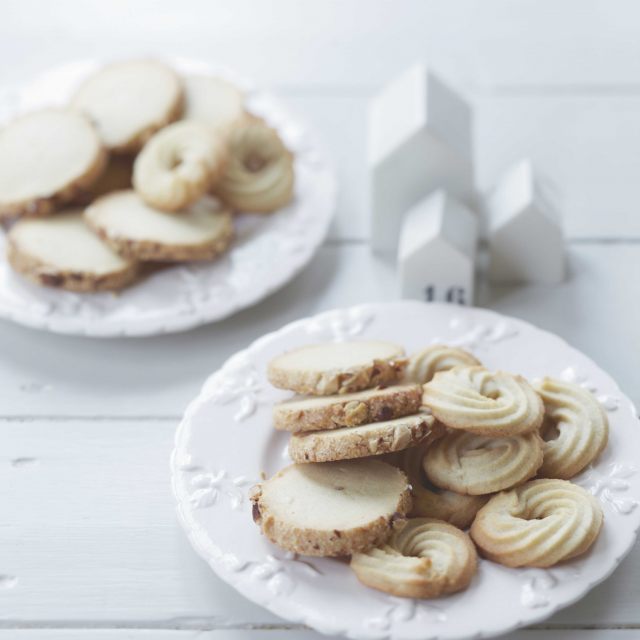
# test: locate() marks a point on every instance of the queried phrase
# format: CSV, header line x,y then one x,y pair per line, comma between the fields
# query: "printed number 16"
x,y
453,294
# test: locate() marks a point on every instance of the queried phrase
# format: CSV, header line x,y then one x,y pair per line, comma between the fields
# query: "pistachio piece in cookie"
x,y
347,410
338,367
259,174
129,101
47,159
178,165
371,439
332,509
136,230
61,251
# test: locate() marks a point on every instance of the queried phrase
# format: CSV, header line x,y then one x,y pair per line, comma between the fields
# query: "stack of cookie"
x,y
142,166
395,458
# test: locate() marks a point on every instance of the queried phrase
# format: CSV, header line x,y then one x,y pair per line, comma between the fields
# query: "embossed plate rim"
x,y
270,580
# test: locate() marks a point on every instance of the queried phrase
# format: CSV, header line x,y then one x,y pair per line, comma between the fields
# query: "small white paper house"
x,y
437,250
525,230
420,139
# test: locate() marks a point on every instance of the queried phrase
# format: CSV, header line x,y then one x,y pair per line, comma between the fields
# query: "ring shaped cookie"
x,y
259,174
538,524
484,402
178,165
430,501
477,465
575,428
422,366
427,558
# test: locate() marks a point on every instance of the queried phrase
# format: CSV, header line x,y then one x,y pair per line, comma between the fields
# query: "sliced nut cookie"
x,y
332,509
214,102
477,465
348,410
425,558
61,251
47,158
259,174
178,165
129,101
430,501
575,428
484,402
366,440
337,367
422,366
538,524
136,230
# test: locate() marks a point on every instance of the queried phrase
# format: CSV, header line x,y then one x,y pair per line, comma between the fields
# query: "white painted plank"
x,y
528,43
276,634
44,375
92,538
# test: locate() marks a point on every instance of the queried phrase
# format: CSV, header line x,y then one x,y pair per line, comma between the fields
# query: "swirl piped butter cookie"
x,y
422,366
430,501
259,174
575,428
178,165
538,524
477,465
484,402
426,558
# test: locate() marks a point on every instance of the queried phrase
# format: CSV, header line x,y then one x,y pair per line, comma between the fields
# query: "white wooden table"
x,y
89,543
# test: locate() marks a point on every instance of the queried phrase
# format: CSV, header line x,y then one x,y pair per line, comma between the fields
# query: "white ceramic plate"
x,y
185,296
226,440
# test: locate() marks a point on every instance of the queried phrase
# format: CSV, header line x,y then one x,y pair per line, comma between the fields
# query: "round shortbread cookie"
x,y
178,165
484,402
338,367
575,428
332,509
214,102
129,101
430,501
422,366
259,174
61,251
347,410
365,440
135,230
538,524
426,558
47,158
476,465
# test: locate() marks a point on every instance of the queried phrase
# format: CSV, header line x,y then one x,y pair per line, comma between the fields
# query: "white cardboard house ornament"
x,y
525,230
420,139
437,249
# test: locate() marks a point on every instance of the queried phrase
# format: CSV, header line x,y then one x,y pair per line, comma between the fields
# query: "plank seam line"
x,y
202,625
